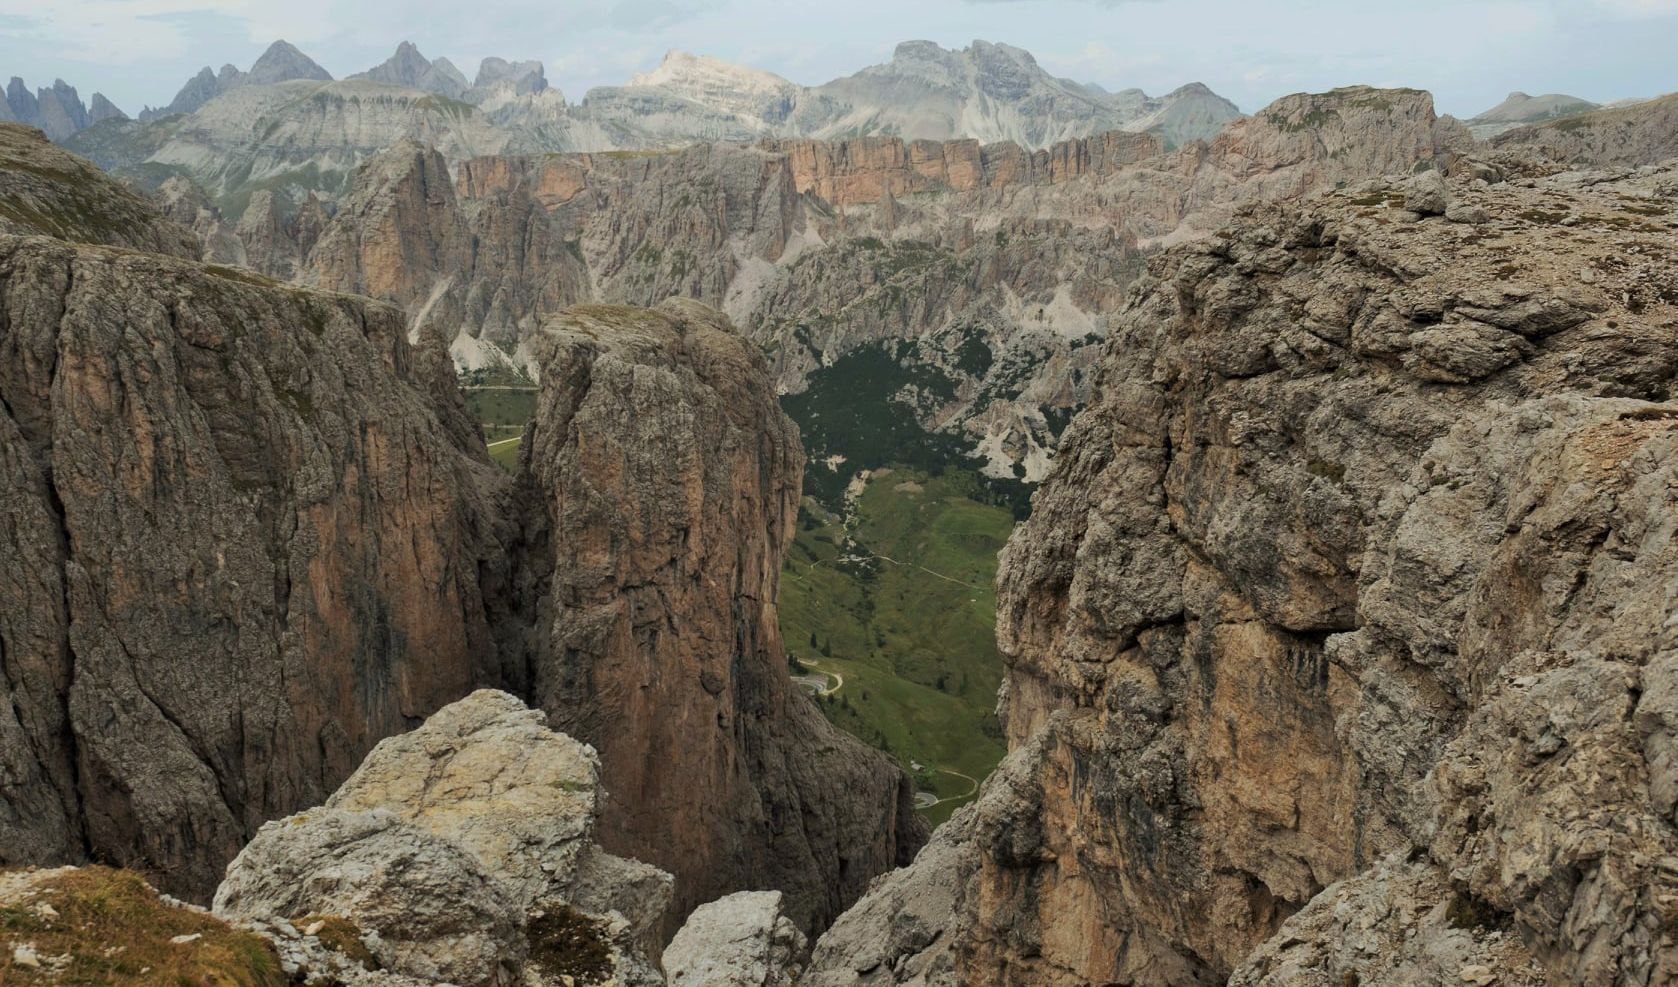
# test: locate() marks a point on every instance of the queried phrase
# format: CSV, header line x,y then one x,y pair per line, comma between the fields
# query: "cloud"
x,y
1637,8
128,31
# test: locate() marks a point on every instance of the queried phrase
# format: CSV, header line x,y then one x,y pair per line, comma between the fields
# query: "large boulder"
x,y
741,940
437,913
464,849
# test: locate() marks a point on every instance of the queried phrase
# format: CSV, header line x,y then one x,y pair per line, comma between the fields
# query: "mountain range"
x,y
989,92
1337,646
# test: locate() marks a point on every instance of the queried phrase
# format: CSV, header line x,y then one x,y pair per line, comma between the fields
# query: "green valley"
x,y
894,594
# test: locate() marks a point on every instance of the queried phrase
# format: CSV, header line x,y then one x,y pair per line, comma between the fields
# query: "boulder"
x,y
464,850
742,940
437,913
1427,194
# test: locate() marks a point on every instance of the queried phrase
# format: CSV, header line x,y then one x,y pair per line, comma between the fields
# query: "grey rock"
x,y
282,62
1471,215
1427,194
742,940
100,109
1357,569
520,78
437,913
411,69
451,845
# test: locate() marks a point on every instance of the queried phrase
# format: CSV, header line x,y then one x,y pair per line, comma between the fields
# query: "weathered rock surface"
x,y
741,940
45,191
438,913
451,845
244,532
660,483
1363,548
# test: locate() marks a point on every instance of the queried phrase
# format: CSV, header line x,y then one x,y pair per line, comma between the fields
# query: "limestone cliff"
x,y
242,543
1339,644
1641,134
660,483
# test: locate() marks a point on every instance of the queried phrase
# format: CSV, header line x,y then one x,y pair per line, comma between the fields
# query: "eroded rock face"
x,y
1363,548
242,544
660,483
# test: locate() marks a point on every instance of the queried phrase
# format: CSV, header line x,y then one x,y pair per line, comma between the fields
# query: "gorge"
x,y
1301,487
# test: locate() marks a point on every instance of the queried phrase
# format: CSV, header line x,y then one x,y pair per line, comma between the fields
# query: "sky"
x,y
1469,53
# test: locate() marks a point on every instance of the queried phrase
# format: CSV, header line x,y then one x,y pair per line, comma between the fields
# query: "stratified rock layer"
x,y
660,483
1363,548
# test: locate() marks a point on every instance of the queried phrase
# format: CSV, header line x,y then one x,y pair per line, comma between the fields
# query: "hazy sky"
x,y
1470,53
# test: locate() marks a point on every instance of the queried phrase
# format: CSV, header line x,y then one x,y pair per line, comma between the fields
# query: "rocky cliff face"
x,y
247,523
1640,134
57,111
251,532
1337,643
994,92
662,483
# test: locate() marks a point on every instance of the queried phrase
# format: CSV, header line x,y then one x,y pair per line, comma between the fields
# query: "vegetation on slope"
x,y
95,925
896,597
502,411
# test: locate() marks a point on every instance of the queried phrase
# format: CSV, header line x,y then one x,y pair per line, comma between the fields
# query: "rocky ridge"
x,y
285,126
1338,642
1630,136
1519,109
985,270
58,111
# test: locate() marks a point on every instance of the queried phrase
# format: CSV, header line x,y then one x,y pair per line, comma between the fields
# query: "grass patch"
x,y
502,407
505,453
914,639
339,933
112,929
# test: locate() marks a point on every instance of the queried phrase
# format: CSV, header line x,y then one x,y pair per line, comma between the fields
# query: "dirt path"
x,y
974,782
837,679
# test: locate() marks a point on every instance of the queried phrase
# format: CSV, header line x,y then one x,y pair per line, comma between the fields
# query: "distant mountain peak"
x,y
284,62
522,77
681,70
407,67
